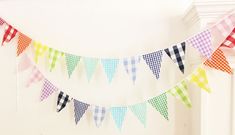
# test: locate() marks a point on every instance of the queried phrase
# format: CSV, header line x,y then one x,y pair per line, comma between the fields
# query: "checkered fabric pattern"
x,y
99,114
2,21
47,89
153,60
24,63
39,50
71,62
62,101
90,65
23,43
218,61
180,91
130,65
118,114
160,104
200,79
177,54
53,56
35,76
79,109
9,34
230,40
202,42
110,66
139,110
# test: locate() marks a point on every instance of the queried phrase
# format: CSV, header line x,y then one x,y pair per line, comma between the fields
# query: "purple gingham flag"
x,y
154,60
203,43
130,65
79,109
47,89
98,114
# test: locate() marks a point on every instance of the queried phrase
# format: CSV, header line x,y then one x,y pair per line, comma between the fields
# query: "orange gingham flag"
x,y
23,43
219,62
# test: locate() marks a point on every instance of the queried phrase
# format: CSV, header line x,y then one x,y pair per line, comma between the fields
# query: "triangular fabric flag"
x,y
62,101
180,91
71,62
177,54
35,76
99,114
140,111
24,63
90,64
2,21
130,65
160,104
79,109
230,40
53,56
118,114
154,60
47,89
23,43
110,66
9,34
200,79
39,50
203,43
218,61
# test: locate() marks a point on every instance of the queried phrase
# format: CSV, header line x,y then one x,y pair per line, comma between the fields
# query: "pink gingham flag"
x,y
202,42
35,76
24,63
47,89
1,21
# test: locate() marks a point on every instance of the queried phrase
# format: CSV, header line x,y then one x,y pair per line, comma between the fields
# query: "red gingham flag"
x,y
35,76
9,34
230,40
23,43
1,21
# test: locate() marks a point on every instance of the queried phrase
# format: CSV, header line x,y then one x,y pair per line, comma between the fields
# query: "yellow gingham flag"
x,y
39,50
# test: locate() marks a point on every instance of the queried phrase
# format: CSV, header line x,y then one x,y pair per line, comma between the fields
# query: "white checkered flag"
x,y
62,101
177,54
98,114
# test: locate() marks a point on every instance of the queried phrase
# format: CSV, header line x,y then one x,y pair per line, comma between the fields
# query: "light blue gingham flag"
x,y
110,66
79,109
90,64
118,114
140,112
98,114
153,60
130,65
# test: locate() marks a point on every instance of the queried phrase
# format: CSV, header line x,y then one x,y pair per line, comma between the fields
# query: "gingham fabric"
x,y
219,62
23,43
202,42
24,63
118,114
98,114
9,34
2,21
90,65
130,65
160,104
200,79
153,60
139,110
71,62
53,56
35,76
230,40
110,66
180,91
47,89
62,101
79,109
177,54
39,50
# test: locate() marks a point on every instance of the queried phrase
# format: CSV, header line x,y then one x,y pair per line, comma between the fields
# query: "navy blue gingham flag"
x,y
98,114
153,60
130,65
79,109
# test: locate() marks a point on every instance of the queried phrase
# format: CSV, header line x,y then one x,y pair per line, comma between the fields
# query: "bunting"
x,y
177,54
35,76
219,62
79,109
130,65
39,50
110,66
53,56
9,34
98,114
24,63
90,65
47,89
200,79
62,101
139,110
118,114
160,104
153,60
71,62
2,21
23,43
230,40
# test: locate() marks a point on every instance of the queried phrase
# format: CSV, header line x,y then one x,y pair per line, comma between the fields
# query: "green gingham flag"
x,y
180,92
140,111
90,64
71,62
53,56
160,104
